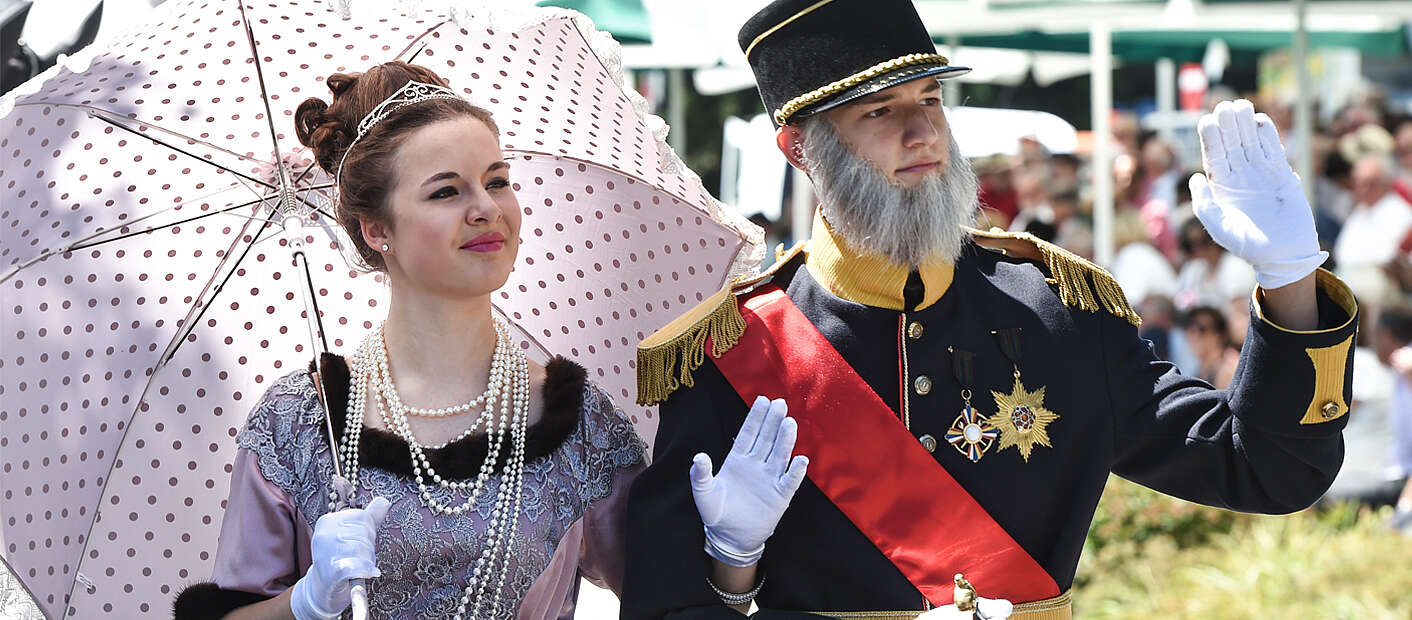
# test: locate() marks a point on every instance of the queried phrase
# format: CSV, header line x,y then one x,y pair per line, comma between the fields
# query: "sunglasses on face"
x,y
1191,244
1201,328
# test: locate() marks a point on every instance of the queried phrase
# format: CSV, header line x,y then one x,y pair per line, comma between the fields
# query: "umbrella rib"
x,y
530,153
264,94
419,38
226,210
97,112
104,118
186,326
66,248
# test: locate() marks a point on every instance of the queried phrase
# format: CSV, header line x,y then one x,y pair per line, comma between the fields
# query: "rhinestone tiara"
x,y
410,93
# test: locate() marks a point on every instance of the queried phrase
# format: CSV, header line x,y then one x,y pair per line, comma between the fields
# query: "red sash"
x,y
870,466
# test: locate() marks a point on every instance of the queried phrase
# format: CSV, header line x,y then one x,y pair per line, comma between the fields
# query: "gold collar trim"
x,y
867,279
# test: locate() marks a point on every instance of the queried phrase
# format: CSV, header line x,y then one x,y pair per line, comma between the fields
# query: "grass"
x,y
1152,556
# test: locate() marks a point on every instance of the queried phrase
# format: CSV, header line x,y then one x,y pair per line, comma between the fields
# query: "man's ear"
x,y
791,142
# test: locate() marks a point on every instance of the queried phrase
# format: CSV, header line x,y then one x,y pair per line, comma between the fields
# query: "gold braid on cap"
x,y
794,105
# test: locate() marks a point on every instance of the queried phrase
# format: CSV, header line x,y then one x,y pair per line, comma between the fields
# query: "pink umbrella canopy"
x,y
161,235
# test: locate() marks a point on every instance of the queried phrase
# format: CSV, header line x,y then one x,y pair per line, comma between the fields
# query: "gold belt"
x,y
1057,608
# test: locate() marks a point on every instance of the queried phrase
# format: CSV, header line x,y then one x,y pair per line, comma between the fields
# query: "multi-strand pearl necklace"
x,y
509,388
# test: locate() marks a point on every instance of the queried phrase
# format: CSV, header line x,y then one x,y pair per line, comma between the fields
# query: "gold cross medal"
x,y
1020,415
971,434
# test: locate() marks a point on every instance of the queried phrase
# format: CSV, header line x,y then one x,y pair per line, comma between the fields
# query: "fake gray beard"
x,y
907,225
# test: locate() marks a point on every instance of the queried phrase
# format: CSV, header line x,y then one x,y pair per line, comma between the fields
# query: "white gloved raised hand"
x,y
1250,200
741,505
342,549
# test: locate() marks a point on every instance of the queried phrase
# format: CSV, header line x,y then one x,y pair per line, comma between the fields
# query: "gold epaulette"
x,y
1071,272
666,359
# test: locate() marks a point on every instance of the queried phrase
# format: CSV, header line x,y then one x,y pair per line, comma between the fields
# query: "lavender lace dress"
x,y
580,460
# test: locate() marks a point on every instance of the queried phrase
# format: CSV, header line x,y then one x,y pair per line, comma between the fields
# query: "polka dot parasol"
x,y
162,238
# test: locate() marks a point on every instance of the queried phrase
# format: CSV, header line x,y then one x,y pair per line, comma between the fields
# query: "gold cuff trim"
x,y
1329,366
1325,281
666,359
1057,608
794,105
782,24
1068,270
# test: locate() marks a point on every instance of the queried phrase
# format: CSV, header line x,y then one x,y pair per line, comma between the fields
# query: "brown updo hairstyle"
x,y
368,172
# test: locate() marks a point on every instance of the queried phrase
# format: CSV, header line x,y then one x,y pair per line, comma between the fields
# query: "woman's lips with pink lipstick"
x,y
491,242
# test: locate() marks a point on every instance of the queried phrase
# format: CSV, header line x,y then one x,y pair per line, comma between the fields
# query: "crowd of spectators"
x,y
1195,297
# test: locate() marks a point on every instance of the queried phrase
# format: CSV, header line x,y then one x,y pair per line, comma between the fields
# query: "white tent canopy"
x,y
981,132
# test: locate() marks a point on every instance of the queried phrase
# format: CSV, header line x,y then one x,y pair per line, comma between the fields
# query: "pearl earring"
x,y
386,247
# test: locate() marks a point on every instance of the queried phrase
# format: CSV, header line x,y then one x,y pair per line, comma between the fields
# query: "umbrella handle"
x,y
359,595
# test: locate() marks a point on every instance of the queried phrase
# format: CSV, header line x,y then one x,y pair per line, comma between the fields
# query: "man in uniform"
x,y
961,396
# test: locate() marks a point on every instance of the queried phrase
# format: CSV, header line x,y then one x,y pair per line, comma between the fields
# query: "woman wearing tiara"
x,y
489,484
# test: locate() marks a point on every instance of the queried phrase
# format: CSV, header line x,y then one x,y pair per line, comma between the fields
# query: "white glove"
x,y
986,609
343,549
741,505
1250,200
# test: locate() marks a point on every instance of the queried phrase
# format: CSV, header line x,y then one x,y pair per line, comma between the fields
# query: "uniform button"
x,y
1329,410
914,331
928,442
923,384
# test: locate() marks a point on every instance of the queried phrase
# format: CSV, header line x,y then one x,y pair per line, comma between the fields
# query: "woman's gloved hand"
x,y
342,549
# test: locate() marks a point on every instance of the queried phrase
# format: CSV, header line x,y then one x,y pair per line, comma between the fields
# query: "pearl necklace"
x,y
389,390
509,388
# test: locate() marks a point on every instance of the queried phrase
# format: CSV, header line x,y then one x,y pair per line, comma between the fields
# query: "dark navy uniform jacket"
x,y
1269,444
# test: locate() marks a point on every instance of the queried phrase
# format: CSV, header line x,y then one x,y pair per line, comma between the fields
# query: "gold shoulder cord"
x,y
1082,284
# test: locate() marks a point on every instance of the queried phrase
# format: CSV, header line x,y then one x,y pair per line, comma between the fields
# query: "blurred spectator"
x,y
1159,173
1354,117
1140,269
1210,276
1364,141
1158,324
1219,93
1033,156
1402,150
999,200
1282,114
1126,132
1064,203
1332,199
1032,199
1160,217
1076,233
1392,340
1238,313
1208,337
1064,170
1126,185
1370,236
